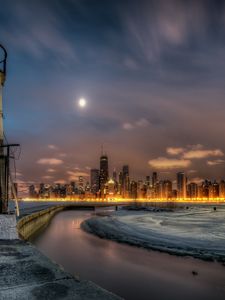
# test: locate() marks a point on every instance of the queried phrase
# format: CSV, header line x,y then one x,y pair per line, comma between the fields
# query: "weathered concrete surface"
x,y
25,273
8,229
31,224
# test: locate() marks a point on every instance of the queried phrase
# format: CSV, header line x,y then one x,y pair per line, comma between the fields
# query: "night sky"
x,y
152,73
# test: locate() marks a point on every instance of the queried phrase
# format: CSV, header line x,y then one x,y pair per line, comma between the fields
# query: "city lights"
x,y
121,188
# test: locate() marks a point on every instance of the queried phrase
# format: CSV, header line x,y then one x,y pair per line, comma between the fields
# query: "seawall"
x,y
28,274
29,225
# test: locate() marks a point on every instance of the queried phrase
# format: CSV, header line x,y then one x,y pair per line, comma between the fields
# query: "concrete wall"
x,y
31,224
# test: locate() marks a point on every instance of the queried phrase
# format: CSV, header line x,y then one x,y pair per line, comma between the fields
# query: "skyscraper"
x,y
81,184
120,183
125,170
114,175
126,181
181,185
94,181
192,190
133,189
104,172
154,179
222,189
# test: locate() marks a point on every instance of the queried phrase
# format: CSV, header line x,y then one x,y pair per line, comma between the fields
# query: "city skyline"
x,y
163,172
111,171
119,185
151,77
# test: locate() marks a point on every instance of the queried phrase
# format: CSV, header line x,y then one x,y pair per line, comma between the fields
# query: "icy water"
x,y
196,231
130,272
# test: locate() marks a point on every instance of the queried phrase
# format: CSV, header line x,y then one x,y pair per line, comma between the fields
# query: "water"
x,y
197,231
130,272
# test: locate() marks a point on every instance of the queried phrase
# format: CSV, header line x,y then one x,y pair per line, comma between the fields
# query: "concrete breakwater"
x,y
29,225
28,274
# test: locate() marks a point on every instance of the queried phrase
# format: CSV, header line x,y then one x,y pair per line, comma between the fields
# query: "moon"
x,y
82,102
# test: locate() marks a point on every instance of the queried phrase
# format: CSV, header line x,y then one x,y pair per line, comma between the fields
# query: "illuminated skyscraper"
x,y
32,191
120,183
181,185
192,190
114,175
222,189
126,181
154,179
94,181
133,190
167,189
104,172
81,184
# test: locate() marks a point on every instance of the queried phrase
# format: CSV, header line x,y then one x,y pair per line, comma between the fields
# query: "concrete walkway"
x,y
26,274
8,227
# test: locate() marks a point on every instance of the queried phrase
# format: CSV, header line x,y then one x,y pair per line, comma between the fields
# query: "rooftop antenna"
x,y
5,155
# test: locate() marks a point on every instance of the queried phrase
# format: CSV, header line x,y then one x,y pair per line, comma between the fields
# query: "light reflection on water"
x,y
130,272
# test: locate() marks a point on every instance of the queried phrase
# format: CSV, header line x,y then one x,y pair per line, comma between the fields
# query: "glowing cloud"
x,y
201,153
142,122
215,162
47,177
50,170
175,150
128,126
197,180
74,175
49,161
52,147
164,163
60,181
139,123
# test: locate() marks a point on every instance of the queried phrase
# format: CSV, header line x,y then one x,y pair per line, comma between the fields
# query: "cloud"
x,y
196,180
38,38
192,154
47,177
60,181
164,163
52,147
215,162
174,150
192,171
51,170
62,154
127,126
50,161
74,175
139,123
154,26
142,122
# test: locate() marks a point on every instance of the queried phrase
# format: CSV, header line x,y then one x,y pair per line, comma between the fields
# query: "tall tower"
x,y
104,172
154,179
126,181
181,185
94,181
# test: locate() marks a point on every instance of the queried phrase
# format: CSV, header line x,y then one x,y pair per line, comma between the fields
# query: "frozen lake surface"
x,y
197,231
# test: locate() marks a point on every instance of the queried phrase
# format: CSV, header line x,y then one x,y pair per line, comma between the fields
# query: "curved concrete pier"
x,y
27,274
29,225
